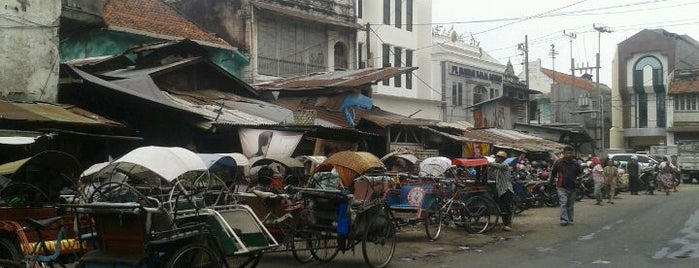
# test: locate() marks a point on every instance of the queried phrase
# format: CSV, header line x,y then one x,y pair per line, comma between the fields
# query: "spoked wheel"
x,y
477,215
379,241
194,256
433,221
324,248
300,250
453,215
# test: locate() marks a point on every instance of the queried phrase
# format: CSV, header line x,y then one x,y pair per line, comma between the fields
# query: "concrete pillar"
x,y
616,132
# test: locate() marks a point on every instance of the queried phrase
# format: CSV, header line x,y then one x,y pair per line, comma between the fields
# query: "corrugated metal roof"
x,y
131,71
46,112
338,79
514,140
385,118
462,125
454,137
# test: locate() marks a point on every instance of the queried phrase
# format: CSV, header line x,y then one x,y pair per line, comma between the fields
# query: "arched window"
x,y
340,56
480,94
648,72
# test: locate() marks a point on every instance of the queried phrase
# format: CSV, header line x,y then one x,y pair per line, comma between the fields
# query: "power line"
x,y
532,17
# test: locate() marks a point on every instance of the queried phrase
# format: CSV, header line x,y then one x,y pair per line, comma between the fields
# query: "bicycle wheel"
x,y
8,250
433,221
300,250
477,215
194,256
324,248
453,214
379,241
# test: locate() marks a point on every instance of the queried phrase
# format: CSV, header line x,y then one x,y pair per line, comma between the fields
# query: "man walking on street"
x,y
565,173
503,182
634,172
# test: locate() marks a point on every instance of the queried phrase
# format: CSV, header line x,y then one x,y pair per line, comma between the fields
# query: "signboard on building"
x,y
475,149
477,74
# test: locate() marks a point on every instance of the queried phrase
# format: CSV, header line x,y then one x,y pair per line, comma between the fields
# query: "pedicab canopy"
x,y
217,162
350,165
239,158
434,166
398,161
169,163
48,172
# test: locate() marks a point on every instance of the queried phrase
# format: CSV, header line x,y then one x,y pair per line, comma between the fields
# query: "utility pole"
x,y
600,30
553,53
571,36
368,47
524,47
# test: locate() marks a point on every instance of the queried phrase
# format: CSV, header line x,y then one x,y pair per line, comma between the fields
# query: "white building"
x,y
465,73
400,35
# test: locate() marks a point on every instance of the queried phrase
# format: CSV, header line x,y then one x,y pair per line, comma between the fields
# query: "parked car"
x,y
624,158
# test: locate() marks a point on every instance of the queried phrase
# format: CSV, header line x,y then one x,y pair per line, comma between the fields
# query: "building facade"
x,y
643,112
570,99
29,40
465,74
283,38
684,93
399,35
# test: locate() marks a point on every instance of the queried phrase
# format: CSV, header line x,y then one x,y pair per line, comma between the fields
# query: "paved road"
x,y
636,231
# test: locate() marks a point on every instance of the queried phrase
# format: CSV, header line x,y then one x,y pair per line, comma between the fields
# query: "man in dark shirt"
x,y
633,170
565,173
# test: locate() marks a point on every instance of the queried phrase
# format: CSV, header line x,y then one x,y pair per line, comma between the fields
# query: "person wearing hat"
x,y
503,183
564,174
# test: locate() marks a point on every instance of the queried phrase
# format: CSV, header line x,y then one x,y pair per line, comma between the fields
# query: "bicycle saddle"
x,y
42,224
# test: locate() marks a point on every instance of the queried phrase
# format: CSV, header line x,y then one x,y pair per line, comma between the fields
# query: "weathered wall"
x,y
225,18
29,54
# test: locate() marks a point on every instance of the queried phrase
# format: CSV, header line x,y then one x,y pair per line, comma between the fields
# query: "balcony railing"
x,y
285,68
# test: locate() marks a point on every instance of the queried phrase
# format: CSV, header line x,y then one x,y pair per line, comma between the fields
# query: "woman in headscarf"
x,y
598,178
667,170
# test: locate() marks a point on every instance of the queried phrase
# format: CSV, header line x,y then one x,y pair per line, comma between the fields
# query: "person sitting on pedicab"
x,y
265,177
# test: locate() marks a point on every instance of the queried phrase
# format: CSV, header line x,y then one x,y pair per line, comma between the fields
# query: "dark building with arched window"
x,y
644,112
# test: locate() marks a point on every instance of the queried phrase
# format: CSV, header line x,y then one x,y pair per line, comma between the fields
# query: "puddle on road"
x,y
685,246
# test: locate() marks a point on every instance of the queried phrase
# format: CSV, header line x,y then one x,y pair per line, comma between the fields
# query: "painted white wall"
x,y
29,57
537,79
407,106
418,40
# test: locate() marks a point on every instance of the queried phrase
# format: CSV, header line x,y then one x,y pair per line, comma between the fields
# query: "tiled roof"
x,y
155,18
685,81
566,79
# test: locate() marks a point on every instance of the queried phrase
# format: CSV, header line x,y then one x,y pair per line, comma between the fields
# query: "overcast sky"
x,y
624,17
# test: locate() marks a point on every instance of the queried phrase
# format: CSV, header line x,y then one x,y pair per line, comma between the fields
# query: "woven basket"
x,y
305,117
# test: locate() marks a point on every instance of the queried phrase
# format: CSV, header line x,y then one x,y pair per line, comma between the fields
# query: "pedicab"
x,y
345,198
30,192
419,198
480,210
174,227
288,171
310,163
400,162
242,171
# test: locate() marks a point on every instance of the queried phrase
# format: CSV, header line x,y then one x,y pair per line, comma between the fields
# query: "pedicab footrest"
x,y
102,259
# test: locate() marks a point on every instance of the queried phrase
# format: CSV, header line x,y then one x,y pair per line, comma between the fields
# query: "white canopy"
x,y
434,166
167,162
239,158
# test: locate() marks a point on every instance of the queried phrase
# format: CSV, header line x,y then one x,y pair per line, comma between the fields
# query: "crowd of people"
x,y
565,173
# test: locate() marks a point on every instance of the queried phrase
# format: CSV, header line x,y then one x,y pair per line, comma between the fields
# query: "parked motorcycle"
x,y
648,179
585,185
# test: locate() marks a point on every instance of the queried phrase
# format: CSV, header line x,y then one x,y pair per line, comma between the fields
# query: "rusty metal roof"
x,y
338,79
513,139
46,112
